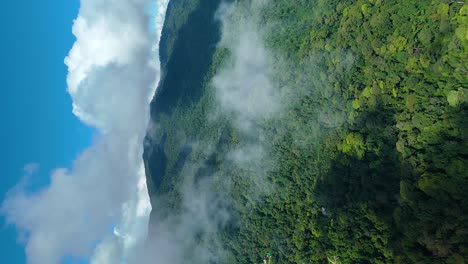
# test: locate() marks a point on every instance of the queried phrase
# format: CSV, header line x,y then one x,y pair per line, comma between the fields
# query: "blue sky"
x,y
36,111
88,198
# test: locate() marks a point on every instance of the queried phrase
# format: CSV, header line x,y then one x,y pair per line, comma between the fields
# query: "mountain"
x,y
320,131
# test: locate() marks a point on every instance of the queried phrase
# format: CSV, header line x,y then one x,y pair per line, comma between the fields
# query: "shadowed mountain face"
x,y
318,131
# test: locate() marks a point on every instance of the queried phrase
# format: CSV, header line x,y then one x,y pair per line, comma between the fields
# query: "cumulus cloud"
x,y
112,35
99,207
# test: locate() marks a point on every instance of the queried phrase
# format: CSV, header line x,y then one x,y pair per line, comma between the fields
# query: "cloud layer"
x,y
99,207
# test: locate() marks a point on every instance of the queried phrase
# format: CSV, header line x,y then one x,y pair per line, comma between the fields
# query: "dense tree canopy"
x,y
369,158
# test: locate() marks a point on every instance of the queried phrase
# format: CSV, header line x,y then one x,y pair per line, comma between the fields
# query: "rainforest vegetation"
x,y
367,161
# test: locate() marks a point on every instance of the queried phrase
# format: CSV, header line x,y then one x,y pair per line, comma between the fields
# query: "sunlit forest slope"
x,y
360,153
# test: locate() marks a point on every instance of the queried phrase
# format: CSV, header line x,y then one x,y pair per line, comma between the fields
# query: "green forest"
x,y
367,162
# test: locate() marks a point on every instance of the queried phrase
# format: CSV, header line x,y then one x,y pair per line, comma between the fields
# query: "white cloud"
x,y
244,88
109,34
112,74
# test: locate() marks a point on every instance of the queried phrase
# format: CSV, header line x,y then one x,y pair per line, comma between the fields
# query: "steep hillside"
x,y
321,131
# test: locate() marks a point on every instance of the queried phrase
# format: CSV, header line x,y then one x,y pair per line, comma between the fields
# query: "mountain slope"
x,y
315,130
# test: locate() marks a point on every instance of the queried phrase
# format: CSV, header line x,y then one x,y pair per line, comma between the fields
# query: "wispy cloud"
x,y
246,91
31,168
98,207
244,87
